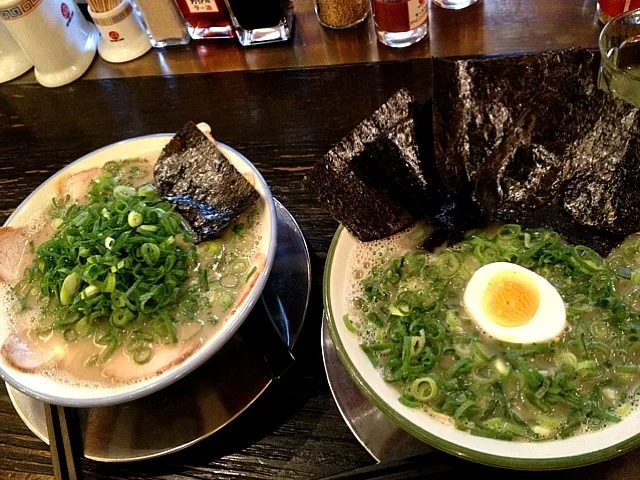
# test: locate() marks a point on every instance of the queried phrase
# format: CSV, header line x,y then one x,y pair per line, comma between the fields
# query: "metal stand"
x,y
382,438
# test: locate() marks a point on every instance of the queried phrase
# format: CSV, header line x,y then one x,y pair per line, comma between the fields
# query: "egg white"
x,y
546,324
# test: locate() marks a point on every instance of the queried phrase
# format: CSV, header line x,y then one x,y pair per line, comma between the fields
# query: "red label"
x,y
64,9
399,16
114,35
202,6
615,7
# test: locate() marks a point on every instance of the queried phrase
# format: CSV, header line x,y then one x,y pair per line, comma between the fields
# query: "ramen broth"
x,y
406,306
220,274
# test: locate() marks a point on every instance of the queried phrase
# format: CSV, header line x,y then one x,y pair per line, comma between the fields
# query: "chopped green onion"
x,y
409,401
215,247
90,291
120,317
349,324
110,283
225,300
83,325
585,367
229,281
148,190
627,368
124,191
502,367
142,355
150,253
239,266
69,288
253,270
70,335
134,219
423,389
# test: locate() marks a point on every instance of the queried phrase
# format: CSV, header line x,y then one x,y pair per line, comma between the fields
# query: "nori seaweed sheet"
x,y
205,187
369,211
532,140
374,180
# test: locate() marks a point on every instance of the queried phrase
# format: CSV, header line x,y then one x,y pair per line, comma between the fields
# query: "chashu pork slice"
x,y
15,253
25,355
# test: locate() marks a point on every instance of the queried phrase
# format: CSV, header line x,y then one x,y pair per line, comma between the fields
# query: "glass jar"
x,y
342,13
261,21
163,22
619,44
400,23
206,19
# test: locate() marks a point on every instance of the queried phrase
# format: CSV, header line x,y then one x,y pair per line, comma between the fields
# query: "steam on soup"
x,y
108,285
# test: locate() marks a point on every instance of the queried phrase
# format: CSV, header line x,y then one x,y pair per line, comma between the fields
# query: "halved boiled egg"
x,y
514,304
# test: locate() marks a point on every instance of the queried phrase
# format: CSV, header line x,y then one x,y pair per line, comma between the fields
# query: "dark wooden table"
x,y
283,120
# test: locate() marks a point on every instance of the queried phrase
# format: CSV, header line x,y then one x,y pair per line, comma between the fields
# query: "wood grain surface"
x,y
283,121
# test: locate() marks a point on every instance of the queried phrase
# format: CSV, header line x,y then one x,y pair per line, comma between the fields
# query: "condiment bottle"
x,y
206,18
164,22
607,9
261,21
400,23
342,13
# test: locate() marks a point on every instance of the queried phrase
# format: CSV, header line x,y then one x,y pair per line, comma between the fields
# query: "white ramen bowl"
x,y
553,454
57,392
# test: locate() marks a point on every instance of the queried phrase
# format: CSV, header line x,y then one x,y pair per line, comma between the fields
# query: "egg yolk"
x,y
511,299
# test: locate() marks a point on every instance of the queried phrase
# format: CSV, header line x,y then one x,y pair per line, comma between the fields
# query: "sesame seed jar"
x,y
340,14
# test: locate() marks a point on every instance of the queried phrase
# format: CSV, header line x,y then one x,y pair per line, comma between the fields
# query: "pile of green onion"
x,y
415,329
114,268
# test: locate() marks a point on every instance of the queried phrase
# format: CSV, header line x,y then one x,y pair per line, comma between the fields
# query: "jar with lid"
x,y
342,13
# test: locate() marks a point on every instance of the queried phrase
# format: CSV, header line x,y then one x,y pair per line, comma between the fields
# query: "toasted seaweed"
x,y
532,140
374,181
205,187
367,211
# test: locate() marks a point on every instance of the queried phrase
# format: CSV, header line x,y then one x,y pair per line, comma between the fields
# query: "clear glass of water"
x,y
620,58
454,4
